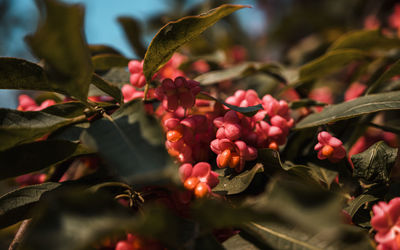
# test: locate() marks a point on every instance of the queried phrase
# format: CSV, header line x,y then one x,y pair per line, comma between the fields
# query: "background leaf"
x,y
17,127
375,163
38,155
364,40
107,88
237,71
132,143
394,70
345,110
329,63
133,32
59,41
108,61
15,205
176,33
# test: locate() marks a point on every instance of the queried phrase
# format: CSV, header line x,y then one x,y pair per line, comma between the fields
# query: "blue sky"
x,y
101,26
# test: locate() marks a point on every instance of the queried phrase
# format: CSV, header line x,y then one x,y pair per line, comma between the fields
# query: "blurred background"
x,y
268,31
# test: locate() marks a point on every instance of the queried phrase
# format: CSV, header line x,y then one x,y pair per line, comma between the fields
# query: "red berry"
x,y
201,190
224,158
174,135
191,183
327,150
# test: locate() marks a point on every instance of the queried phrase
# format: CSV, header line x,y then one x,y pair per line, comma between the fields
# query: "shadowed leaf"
x,y
15,205
133,32
236,183
107,88
59,41
108,61
17,127
38,155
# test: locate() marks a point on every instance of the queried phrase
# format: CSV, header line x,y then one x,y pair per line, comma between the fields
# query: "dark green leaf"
x,y
60,42
317,174
132,143
365,40
375,163
15,205
175,34
133,32
97,49
74,219
237,242
117,76
237,71
107,88
35,156
329,63
247,111
236,183
108,61
17,127
359,202
346,110
306,217
394,70
305,103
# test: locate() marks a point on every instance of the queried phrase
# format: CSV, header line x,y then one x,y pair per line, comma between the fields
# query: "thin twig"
x,y
19,236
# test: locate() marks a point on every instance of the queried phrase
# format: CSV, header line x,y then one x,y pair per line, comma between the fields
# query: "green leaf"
x,y
117,76
60,42
394,70
97,49
237,71
306,217
237,242
131,142
247,111
75,219
175,34
38,155
365,40
15,205
346,110
359,202
18,127
107,88
329,63
305,103
108,61
234,183
133,32
374,164
310,171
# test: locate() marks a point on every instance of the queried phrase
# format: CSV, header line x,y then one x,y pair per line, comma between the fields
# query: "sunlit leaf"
x,y
346,110
175,34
